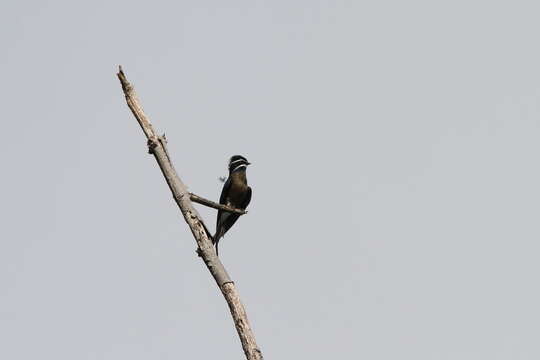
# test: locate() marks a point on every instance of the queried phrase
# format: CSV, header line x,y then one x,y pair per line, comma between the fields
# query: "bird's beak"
x,y
248,163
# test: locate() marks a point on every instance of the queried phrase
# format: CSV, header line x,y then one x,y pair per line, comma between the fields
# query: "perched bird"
x,y
236,193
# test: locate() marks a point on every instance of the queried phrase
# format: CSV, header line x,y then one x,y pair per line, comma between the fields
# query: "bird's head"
x,y
238,162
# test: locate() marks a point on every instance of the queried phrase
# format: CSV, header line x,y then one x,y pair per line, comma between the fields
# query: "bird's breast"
x,y
237,193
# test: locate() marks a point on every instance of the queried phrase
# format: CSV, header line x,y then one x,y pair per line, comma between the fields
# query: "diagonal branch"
x,y
157,147
206,202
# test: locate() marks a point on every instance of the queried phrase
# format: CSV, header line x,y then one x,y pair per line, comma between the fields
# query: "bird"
x,y
235,193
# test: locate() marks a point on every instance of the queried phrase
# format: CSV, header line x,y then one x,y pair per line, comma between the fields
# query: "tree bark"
x,y
157,145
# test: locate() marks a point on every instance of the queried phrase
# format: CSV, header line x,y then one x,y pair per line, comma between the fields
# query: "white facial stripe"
x,y
235,161
239,166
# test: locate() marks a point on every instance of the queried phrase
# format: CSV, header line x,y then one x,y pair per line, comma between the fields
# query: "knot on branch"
x,y
152,145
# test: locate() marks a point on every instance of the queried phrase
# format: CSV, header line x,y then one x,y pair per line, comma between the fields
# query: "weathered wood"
x,y
241,322
157,147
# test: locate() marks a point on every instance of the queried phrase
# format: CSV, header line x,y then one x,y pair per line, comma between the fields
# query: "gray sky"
x,y
395,178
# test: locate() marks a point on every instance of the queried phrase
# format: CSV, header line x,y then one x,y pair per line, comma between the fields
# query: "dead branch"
x,y
157,147
206,202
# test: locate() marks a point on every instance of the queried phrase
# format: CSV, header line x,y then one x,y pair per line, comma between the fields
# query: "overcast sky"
x,y
395,178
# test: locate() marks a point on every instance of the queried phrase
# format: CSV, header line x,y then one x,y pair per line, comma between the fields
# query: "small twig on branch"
x,y
206,202
157,147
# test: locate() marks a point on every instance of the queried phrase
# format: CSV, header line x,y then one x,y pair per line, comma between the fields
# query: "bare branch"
x,y
157,147
206,202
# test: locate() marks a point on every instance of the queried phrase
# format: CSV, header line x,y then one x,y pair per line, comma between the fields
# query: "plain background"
x,y
395,178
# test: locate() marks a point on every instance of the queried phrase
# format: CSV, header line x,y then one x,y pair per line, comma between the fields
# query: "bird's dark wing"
x,y
222,215
226,219
247,199
224,191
